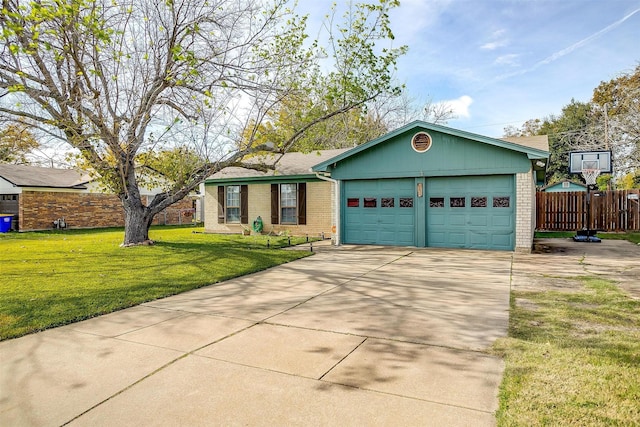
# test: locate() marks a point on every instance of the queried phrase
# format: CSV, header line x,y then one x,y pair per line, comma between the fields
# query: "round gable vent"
x,y
421,142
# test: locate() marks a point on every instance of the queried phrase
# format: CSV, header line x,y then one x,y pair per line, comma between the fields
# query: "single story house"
x,y
291,198
421,185
564,186
39,198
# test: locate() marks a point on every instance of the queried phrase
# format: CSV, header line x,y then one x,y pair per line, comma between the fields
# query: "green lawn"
x,y
572,359
49,279
632,236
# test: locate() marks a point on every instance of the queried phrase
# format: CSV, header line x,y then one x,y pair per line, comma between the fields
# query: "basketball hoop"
x,y
590,175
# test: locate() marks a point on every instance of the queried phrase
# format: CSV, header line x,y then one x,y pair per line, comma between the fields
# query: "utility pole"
x,y
606,127
606,140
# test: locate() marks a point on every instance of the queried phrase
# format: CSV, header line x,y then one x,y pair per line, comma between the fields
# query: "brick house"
x,y
290,198
421,185
39,196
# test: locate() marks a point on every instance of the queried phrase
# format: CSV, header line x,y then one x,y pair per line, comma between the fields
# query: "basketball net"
x,y
590,176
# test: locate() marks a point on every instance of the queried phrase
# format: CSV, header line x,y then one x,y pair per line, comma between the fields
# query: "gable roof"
x,y
291,164
33,176
531,152
555,184
539,142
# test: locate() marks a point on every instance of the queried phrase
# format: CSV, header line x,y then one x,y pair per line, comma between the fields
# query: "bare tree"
x,y
114,79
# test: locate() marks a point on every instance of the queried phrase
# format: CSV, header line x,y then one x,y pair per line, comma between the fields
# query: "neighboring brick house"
x,y
39,196
290,198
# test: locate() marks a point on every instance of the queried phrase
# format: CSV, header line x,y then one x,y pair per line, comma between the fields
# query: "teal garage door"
x,y
379,212
471,212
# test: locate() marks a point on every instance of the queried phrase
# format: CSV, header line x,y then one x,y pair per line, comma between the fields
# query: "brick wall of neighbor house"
x,y
525,209
319,215
39,209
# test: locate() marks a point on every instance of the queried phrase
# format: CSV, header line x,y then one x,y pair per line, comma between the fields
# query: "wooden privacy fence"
x,y
610,210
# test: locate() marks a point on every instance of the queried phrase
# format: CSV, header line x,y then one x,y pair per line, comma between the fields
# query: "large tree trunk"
x,y
136,224
137,217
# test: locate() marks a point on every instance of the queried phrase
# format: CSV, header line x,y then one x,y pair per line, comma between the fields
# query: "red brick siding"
x,y
38,210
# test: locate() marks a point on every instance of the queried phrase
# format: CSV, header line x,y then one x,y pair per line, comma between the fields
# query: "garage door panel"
x,y
405,221
501,221
475,212
500,240
458,239
387,223
479,239
385,219
457,220
478,220
436,238
369,219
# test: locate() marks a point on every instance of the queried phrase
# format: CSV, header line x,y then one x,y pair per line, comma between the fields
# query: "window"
x,y
406,202
233,204
387,202
370,202
457,202
478,202
288,205
436,202
501,202
566,184
353,203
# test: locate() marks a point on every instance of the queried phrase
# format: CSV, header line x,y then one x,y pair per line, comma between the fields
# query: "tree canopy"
x,y
16,142
119,79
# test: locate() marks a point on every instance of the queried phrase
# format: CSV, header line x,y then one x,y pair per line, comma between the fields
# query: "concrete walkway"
x,y
350,336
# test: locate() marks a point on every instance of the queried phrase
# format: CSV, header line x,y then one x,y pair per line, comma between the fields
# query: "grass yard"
x,y
50,279
572,358
633,237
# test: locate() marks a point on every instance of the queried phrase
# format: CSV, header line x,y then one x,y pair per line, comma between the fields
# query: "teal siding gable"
x,y
449,155
564,186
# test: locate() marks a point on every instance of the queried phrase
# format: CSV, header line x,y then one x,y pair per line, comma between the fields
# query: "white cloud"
x,y
493,45
566,51
497,40
459,106
510,60
413,17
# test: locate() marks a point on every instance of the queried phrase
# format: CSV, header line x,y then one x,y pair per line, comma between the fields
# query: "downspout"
x,y
336,183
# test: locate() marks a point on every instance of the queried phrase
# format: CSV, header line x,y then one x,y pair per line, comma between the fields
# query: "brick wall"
x,y
38,210
525,211
319,214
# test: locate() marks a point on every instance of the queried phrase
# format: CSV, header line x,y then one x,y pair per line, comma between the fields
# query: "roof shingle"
x,y
33,176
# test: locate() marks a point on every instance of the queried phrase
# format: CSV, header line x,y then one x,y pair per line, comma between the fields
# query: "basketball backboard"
x,y
580,160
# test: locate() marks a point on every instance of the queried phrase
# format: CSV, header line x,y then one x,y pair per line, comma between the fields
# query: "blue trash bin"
x,y
5,223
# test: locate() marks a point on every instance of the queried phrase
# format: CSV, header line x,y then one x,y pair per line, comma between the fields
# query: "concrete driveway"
x,y
350,336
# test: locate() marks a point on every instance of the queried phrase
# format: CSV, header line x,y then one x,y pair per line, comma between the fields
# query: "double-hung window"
x,y
288,203
233,204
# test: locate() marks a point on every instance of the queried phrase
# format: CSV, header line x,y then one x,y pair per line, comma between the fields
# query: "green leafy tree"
x,y
618,94
116,80
619,102
629,181
352,128
566,133
16,142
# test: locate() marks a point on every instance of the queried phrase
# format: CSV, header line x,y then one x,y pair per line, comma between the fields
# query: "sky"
x,y
502,62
